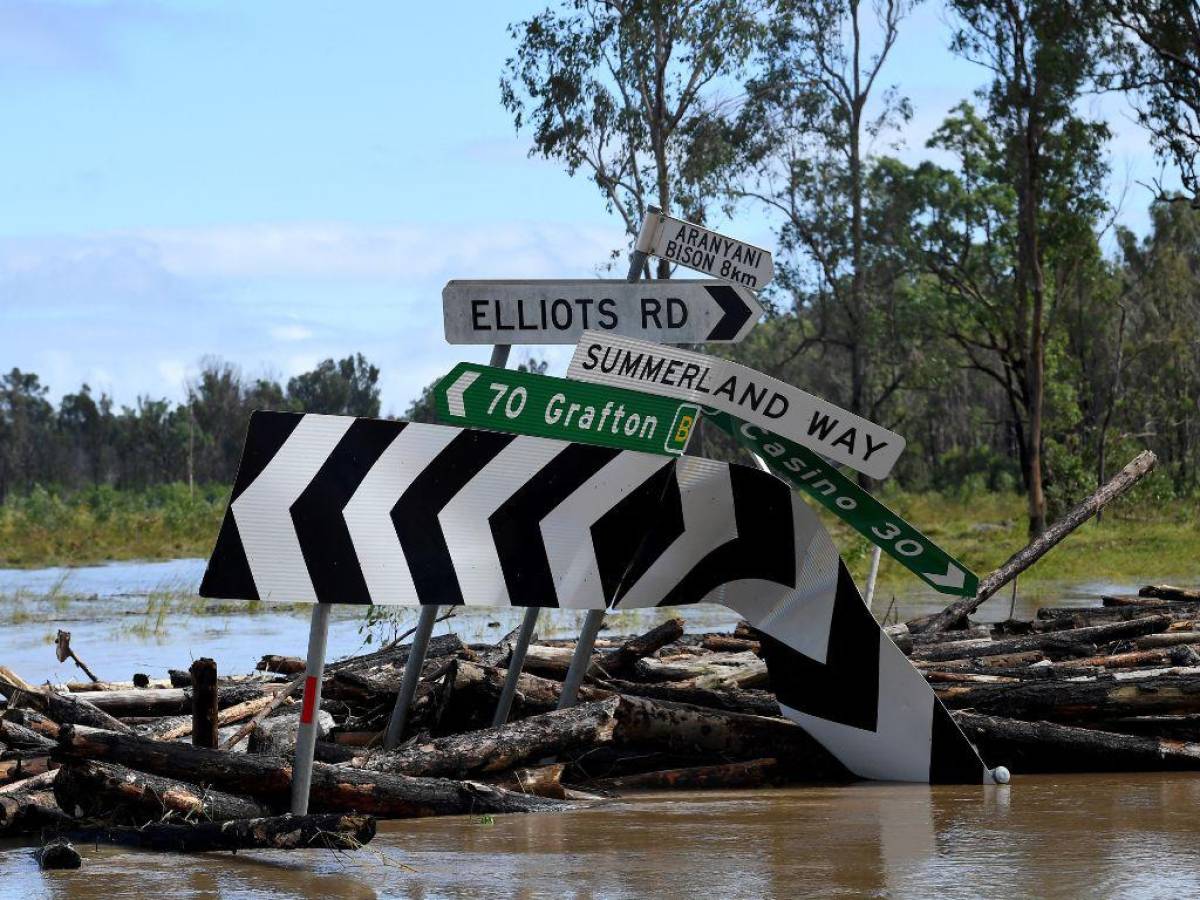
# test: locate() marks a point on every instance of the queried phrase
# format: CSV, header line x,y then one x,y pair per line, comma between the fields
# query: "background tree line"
x,y
980,301
970,306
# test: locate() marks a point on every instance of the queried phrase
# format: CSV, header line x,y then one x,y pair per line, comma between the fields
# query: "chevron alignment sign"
x,y
343,510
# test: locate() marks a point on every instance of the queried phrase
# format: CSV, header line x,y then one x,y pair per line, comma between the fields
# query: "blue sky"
x,y
276,183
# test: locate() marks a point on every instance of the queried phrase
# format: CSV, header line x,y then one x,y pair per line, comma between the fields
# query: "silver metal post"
x,y
581,660
306,738
876,554
515,663
412,674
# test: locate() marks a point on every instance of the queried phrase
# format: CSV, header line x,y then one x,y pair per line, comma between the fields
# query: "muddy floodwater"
x,y
1041,836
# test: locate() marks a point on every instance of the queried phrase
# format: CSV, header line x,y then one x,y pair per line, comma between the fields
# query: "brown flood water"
x,y
1042,836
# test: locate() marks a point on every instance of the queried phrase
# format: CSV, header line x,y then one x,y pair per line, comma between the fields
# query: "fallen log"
x,y
1099,615
172,701
490,750
756,702
1028,747
22,738
29,811
678,727
690,667
956,613
90,789
285,665
17,769
1169,592
752,773
332,832
640,647
62,709
544,781
476,691
1169,639
228,716
725,643
269,778
58,854
1000,661
32,720
1076,701
1075,641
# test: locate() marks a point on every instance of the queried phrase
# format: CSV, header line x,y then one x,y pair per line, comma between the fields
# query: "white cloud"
x,y
290,332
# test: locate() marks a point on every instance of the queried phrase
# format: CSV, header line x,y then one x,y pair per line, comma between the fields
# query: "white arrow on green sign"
x,y
542,406
806,471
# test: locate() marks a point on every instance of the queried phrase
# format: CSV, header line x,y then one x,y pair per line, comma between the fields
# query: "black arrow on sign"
x,y
735,311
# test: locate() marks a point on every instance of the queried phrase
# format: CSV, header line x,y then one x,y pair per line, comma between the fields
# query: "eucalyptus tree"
x,y
627,91
808,125
1158,62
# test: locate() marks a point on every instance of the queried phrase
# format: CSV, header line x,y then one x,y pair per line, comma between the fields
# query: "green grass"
x,y
1137,541
1142,542
51,528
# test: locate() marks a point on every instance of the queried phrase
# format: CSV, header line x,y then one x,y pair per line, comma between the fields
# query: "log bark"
x,y
725,643
62,709
544,781
333,832
172,701
1000,661
759,703
681,728
1028,747
1168,639
228,716
204,702
22,738
32,720
752,773
117,794
956,613
286,665
642,646
269,779
1075,701
1169,592
58,854
491,750
686,668
1075,641
477,689
1079,616
28,812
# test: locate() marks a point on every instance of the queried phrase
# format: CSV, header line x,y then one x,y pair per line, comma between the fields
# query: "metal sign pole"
x,y
420,643
873,574
306,738
582,658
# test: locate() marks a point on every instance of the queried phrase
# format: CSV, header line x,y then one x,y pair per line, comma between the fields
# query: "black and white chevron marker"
x,y
344,510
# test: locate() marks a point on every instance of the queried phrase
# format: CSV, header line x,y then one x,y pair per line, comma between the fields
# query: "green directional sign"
x,y
806,471
538,405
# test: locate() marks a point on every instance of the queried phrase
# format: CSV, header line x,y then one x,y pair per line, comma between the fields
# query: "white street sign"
x,y
706,251
559,312
740,391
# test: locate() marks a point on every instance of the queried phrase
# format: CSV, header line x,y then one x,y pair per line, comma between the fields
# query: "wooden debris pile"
x,y
1113,687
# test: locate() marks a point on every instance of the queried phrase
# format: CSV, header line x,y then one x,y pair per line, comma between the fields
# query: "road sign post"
x,y
306,737
560,311
729,387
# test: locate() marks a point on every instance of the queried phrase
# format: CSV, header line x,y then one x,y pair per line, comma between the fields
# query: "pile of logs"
x,y
199,762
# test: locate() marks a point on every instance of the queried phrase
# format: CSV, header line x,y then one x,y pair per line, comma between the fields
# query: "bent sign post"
x,y
559,312
740,391
805,471
705,251
542,406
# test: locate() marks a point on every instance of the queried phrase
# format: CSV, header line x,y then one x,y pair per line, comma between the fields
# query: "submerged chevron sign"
x,y
344,510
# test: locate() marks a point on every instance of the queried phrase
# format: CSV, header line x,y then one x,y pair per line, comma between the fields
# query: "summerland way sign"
x,y
706,251
807,472
538,405
559,312
740,391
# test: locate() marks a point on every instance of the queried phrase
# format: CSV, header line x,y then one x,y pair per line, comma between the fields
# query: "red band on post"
x,y
310,700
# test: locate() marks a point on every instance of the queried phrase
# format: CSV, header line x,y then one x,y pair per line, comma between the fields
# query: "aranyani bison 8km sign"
x,y
706,251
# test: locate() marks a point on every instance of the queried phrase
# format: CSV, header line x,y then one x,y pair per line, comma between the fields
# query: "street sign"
x,y
559,312
705,251
538,405
335,509
740,391
807,472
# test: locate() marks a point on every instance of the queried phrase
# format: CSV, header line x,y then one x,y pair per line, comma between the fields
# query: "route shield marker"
x,y
805,471
705,251
560,311
740,391
543,406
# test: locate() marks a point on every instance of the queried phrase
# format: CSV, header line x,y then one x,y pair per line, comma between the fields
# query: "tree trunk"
x,y
1077,701
753,773
492,750
312,832
114,793
269,778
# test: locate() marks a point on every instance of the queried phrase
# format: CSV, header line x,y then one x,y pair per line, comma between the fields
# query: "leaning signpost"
x,y
705,251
